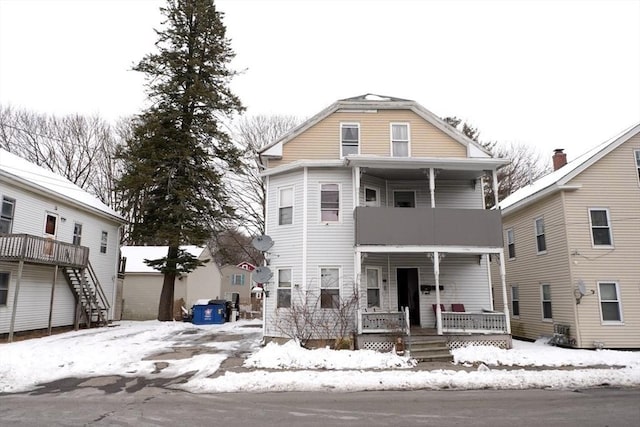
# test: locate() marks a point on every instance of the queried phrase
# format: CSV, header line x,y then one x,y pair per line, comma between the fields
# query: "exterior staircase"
x,y
93,305
430,349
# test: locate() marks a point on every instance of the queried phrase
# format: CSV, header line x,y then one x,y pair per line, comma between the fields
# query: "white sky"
x,y
125,349
552,74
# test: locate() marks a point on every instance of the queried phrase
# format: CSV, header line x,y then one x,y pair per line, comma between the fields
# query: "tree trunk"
x,y
165,307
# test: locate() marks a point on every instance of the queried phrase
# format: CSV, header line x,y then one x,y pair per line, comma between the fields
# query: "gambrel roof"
x,y
559,179
371,101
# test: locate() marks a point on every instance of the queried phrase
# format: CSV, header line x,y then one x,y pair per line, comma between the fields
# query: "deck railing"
x,y
382,322
40,250
477,323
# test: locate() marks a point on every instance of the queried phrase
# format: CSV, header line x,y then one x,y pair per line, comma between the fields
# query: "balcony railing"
x,y
40,250
383,322
476,323
428,227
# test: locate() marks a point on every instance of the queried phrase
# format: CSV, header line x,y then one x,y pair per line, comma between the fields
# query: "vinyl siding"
x,y
448,194
227,273
141,295
610,183
529,270
322,141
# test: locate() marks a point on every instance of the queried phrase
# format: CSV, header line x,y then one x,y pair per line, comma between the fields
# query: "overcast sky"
x,y
552,74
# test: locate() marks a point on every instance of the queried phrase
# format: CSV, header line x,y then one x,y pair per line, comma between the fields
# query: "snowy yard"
x,y
170,349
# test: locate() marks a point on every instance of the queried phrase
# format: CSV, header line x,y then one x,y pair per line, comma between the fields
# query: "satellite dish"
x,y
262,243
262,274
581,288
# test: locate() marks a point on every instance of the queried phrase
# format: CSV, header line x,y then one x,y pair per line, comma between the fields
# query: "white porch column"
x,y
356,187
495,188
505,302
432,187
436,274
357,273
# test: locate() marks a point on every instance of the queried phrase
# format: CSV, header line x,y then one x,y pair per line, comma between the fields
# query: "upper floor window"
x,y
329,202
515,301
104,238
4,288
609,295
6,215
285,206
77,234
600,227
511,243
284,288
541,243
637,154
330,287
371,197
546,302
404,199
349,139
237,279
400,140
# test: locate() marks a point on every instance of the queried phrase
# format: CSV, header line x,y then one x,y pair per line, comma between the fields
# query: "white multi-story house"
x,y
376,197
573,249
58,251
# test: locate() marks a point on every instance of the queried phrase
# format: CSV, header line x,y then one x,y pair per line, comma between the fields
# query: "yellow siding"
x,y
322,141
610,183
529,270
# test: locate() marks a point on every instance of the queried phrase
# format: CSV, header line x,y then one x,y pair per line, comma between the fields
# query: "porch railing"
x,y
370,322
40,250
477,323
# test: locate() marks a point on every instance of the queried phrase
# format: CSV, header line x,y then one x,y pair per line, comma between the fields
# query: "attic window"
x,y
349,139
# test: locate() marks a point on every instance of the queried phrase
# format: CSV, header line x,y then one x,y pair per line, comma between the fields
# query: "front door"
x,y
409,293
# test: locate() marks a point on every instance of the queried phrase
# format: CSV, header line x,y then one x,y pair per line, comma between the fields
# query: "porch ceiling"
x,y
422,174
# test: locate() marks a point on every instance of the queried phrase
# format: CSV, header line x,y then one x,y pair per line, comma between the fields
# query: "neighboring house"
x,y
58,251
238,279
573,249
143,284
377,199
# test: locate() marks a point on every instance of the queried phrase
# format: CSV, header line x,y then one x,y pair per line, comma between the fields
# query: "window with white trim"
x,y
545,293
600,222
285,206
237,279
284,288
541,242
400,140
373,286
104,238
6,215
515,301
4,288
77,234
609,295
637,155
349,139
329,287
329,202
511,243
371,197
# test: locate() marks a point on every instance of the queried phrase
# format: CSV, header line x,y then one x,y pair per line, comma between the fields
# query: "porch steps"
x,y
89,295
430,349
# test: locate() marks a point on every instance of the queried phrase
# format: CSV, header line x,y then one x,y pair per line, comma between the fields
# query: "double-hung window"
x,y
329,287
609,302
329,202
349,139
515,301
545,292
371,197
284,288
285,206
600,227
541,243
6,215
373,286
237,279
400,140
4,288
511,243
77,234
637,155
104,239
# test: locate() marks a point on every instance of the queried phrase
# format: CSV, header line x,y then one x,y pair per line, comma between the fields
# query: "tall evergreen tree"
x,y
178,152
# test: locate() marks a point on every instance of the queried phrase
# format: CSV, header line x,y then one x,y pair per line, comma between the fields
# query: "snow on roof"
x,y
535,188
36,176
137,254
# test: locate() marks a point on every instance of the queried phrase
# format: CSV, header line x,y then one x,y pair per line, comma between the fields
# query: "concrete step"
x,y
428,349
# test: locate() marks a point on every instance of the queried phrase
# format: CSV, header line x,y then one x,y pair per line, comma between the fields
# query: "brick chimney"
x,y
559,158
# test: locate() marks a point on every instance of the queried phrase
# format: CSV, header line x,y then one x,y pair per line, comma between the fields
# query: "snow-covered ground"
x,y
169,349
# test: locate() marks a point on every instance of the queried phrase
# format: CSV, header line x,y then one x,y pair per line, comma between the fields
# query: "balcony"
x,y
40,250
389,226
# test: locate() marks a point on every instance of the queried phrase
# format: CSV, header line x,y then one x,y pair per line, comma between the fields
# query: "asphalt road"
x,y
157,406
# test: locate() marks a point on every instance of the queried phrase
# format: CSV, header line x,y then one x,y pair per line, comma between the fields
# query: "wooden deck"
x,y
39,250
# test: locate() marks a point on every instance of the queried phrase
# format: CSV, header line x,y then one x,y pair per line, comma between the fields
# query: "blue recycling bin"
x,y
209,314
